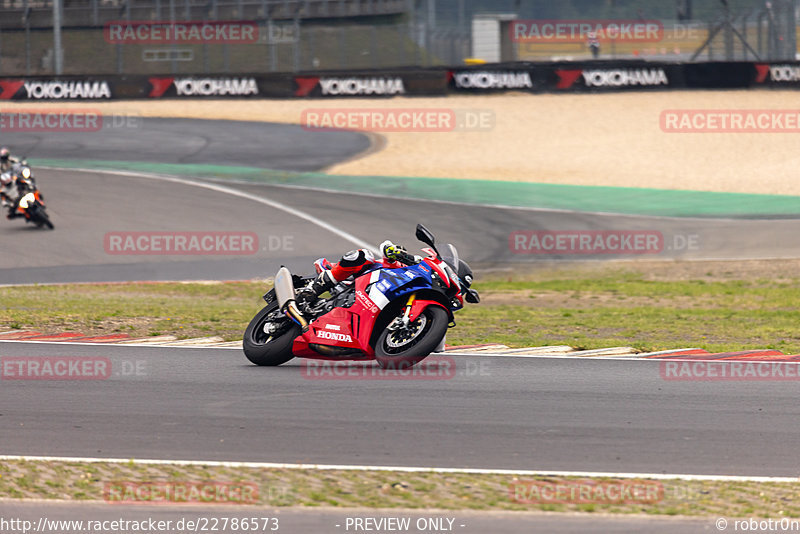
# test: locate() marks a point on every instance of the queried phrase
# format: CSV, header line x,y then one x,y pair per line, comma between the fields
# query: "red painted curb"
x,y
745,355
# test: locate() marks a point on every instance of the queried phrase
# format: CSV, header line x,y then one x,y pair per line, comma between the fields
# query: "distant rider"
x,y
6,160
10,184
9,198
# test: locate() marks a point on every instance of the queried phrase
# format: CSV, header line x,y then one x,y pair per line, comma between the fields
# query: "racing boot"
x,y
322,283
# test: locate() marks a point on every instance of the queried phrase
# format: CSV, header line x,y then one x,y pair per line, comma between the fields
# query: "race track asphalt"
x,y
170,140
493,412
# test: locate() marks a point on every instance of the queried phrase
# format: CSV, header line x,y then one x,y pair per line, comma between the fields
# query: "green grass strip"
x,y
586,310
118,484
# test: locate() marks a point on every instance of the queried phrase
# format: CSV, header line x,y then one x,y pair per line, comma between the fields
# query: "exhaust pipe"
x,y
284,287
284,291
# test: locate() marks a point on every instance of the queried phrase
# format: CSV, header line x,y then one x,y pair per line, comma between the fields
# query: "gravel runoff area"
x,y
600,139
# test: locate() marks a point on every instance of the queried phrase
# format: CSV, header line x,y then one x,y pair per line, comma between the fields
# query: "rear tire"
x,y
433,331
268,351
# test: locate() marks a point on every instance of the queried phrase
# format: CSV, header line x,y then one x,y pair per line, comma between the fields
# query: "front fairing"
x,y
387,285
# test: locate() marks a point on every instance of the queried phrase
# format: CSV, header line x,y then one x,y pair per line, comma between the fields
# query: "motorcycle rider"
x,y
351,264
13,186
10,197
6,160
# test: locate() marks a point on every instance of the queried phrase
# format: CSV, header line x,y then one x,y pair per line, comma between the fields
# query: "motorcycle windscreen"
x,y
449,255
25,201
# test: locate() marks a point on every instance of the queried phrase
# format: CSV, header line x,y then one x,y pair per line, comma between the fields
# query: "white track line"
x,y
361,244
144,344
462,354
248,196
401,469
629,358
320,189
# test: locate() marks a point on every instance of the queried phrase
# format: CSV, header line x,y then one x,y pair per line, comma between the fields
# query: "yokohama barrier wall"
x,y
598,76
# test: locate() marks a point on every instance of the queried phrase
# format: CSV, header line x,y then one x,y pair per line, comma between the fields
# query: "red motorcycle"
x,y
397,316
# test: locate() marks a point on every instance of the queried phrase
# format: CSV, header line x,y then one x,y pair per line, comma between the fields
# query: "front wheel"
x,y
404,347
265,346
40,217
45,220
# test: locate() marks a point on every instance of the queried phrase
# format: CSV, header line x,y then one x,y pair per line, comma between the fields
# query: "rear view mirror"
x,y
425,235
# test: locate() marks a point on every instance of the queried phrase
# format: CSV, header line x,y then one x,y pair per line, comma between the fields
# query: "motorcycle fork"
x,y
404,321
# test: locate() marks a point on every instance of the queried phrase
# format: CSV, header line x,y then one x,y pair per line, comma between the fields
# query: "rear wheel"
x,y
404,347
267,340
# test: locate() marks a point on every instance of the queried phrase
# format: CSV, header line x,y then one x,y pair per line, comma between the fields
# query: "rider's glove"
x,y
393,252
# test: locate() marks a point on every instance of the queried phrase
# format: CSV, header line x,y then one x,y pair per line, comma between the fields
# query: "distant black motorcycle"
x,y
31,201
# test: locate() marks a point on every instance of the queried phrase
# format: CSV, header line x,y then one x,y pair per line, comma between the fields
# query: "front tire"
x,y
265,350
44,221
40,217
401,350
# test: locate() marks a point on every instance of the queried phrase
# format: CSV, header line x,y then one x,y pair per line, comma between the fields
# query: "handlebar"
x,y
406,258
